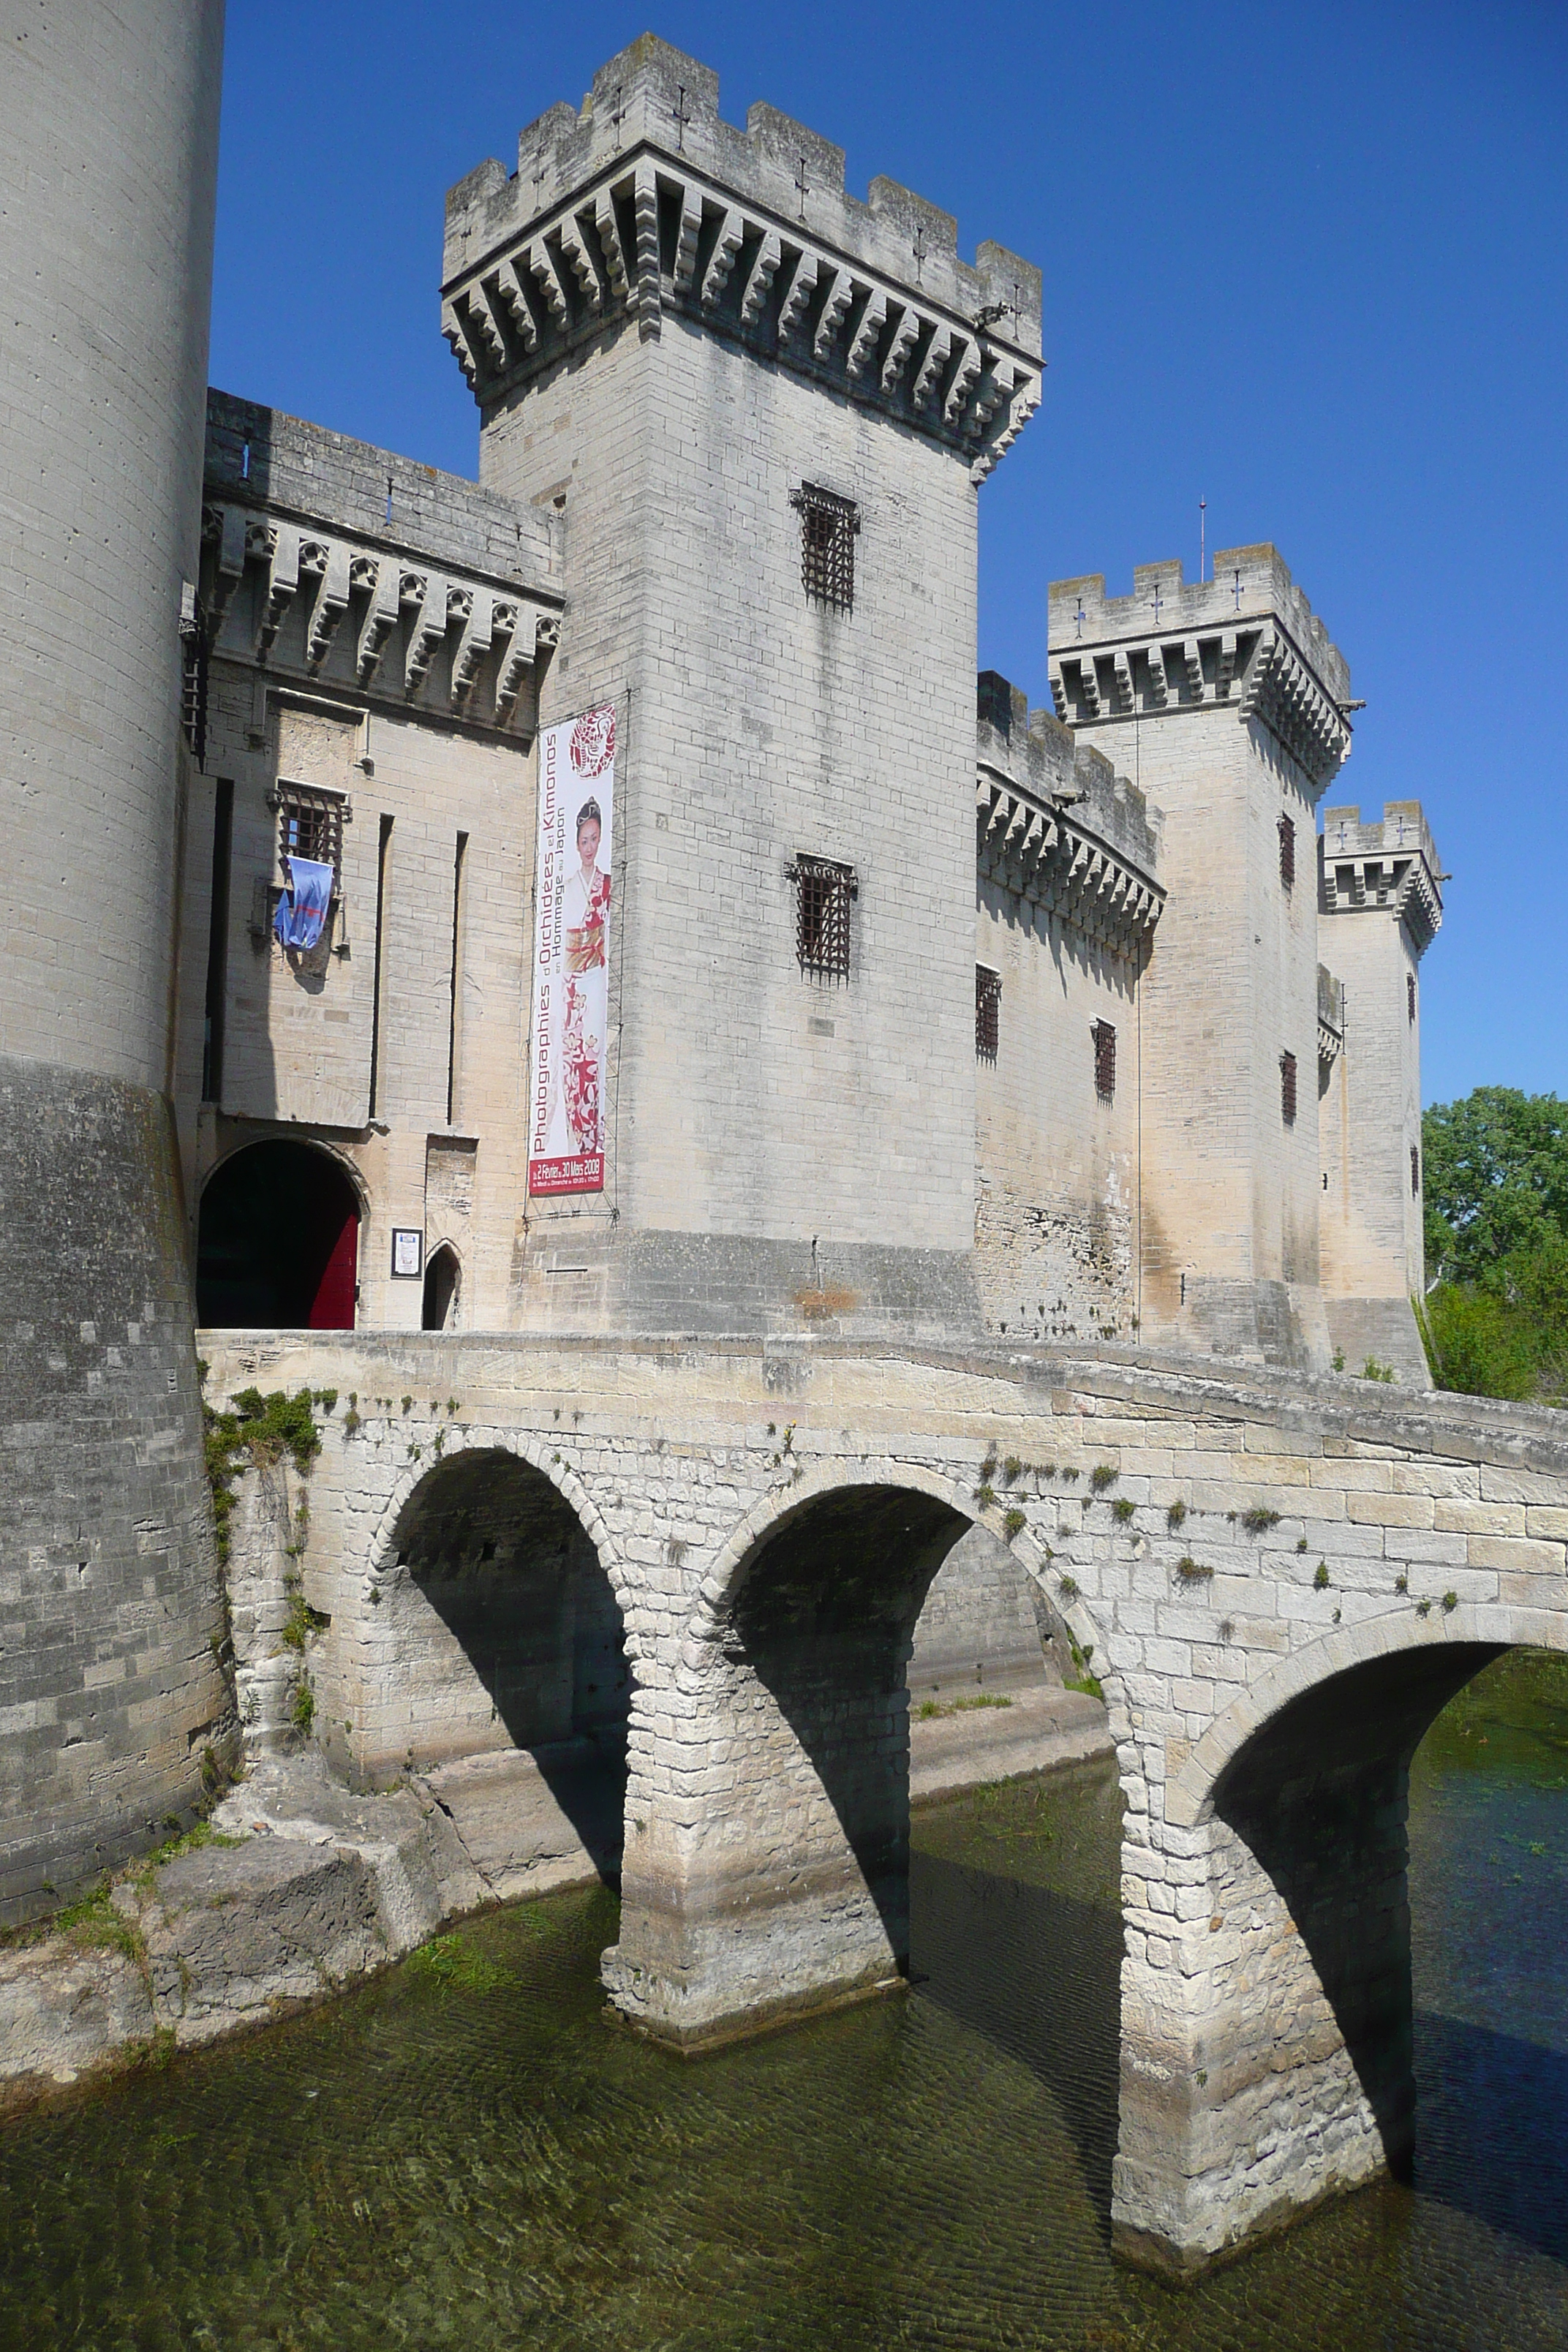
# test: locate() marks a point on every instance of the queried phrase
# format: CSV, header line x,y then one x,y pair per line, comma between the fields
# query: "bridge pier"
x,y
766,1869
1267,2059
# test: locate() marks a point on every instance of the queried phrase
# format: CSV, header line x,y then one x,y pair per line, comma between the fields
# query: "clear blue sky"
x,y
1310,263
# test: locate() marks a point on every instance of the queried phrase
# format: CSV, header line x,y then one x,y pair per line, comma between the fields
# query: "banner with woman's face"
x,y
571,954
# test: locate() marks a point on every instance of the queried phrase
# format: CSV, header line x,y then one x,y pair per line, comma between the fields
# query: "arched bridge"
x,y
1281,1582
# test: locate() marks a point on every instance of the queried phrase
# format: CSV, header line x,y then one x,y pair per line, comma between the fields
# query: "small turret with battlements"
x,y
1380,905
1228,703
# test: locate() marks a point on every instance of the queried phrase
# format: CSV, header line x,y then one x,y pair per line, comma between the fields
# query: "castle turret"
x,y
763,408
110,1684
1379,904
1226,705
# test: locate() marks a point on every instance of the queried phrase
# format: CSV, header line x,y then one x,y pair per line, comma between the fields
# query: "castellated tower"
x,y
763,409
110,1687
1379,904
1226,705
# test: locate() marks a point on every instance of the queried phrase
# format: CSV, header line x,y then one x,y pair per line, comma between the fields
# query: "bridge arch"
x,y
1489,1627
739,1554
767,1858
493,1613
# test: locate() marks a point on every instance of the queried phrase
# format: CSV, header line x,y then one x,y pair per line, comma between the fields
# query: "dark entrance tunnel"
x,y
509,1636
825,1617
1319,1796
278,1242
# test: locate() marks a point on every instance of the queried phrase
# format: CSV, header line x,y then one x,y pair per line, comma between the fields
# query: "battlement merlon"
x,y
646,200
1247,638
1389,866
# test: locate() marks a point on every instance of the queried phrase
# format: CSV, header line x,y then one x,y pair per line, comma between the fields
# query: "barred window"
x,y
1288,1088
987,1012
1104,1036
310,824
1414,1172
1288,853
823,891
827,528
1410,995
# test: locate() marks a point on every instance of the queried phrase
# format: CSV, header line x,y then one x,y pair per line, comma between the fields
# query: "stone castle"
x,y
976,1096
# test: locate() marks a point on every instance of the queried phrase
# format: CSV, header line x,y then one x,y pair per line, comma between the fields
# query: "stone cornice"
x,y
1035,850
1389,869
1257,671
379,621
646,204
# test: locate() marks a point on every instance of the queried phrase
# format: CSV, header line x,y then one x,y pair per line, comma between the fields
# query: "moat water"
x,y
461,2154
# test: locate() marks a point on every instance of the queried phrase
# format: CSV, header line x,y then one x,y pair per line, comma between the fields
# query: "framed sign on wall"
x,y
407,1251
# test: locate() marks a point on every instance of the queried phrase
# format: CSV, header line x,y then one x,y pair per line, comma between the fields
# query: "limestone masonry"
x,y
987,1144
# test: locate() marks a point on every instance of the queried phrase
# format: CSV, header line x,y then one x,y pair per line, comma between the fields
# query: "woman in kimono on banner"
x,y
584,905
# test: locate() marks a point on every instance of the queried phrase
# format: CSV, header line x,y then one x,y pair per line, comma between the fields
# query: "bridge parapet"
x,y
1277,1580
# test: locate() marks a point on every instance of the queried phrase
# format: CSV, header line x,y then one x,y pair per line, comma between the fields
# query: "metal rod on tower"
x,y
1202,551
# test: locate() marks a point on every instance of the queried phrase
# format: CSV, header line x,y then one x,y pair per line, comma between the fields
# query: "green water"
x,y
463,2154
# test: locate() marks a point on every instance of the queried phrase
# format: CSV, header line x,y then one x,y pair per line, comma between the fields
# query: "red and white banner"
x,y
572,954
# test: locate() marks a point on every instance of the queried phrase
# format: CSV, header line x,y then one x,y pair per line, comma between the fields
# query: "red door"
x,y
333,1308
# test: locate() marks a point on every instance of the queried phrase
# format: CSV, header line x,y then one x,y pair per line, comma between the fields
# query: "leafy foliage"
x,y
1495,1179
1497,1231
261,1428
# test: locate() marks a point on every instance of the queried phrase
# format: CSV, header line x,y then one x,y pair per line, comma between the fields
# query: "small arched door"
x,y
278,1242
443,1283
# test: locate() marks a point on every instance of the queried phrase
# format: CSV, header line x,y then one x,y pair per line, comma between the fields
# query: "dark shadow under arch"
x,y
534,1657
824,1613
1319,1796
278,1242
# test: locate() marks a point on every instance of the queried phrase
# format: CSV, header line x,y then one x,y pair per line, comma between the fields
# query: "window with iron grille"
x,y
827,528
1104,1036
194,680
1288,1088
310,824
987,1012
823,891
1288,853
1410,995
1415,1173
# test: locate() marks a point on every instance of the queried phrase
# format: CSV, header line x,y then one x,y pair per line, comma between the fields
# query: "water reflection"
x,y
462,2154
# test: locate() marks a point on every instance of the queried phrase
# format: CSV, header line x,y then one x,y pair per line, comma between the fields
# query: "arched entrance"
x,y
443,1289
278,1242
784,1888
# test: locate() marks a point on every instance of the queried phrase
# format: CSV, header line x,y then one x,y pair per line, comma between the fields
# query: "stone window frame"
x,y
1410,997
1288,1098
1415,1172
314,816
829,525
1286,852
987,1013
1104,1036
824,892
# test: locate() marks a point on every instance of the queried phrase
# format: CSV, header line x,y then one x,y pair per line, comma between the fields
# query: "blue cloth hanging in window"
x,y
299,921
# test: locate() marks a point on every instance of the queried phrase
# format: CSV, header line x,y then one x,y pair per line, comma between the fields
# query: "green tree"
x,y
1496,1180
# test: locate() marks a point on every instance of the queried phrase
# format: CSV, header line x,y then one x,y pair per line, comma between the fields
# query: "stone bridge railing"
x,y
1280,1580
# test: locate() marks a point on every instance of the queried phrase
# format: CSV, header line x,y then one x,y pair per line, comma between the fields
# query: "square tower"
x,y
1380,905
1226,704
763,409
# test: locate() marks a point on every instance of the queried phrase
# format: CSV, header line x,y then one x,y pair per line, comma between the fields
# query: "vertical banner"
x,y
572,954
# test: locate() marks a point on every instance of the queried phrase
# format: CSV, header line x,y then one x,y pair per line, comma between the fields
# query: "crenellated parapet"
x,y
1389,866
1331,1017
645,205
1246,641
324,559
1056,827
